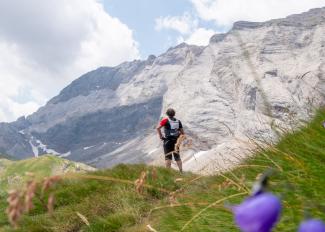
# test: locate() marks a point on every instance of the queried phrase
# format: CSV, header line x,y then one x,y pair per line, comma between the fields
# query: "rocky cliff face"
x,y
243,86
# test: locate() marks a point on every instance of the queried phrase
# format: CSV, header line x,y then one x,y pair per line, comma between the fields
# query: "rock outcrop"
x,y
244,86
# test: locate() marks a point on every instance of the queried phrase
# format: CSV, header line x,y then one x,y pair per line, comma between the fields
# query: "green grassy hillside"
x,y
107,200
14,173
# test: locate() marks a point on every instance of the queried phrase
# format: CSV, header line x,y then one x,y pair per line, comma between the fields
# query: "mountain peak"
x,y
107,116
310,18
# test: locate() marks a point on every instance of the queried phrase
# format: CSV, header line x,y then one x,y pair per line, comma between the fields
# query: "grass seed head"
x,y
83,218
15,208
29,195
139,183
49,182
172,198
179,142
154,174
50,204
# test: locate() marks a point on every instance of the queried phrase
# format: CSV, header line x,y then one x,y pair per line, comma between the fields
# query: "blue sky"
x,y
44,45
140,17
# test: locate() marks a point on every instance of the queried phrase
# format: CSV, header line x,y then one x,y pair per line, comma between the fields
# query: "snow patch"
x,y
65,154
44,148
196,156
34,148
86,148
152,151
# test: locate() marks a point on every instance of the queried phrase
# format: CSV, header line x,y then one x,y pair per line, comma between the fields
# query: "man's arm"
x,y
159,131
160,125
181,131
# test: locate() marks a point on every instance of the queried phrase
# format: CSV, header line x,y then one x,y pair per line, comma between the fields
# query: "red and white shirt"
x,y
171,126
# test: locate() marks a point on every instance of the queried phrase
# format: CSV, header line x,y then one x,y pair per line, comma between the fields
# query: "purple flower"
x,y
258,213
312,225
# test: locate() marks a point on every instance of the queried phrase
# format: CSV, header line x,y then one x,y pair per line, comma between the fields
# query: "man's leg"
x,y
179,164
168,157
178,160
168,163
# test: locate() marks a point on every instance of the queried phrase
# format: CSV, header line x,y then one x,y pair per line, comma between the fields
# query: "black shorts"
x,y
169,148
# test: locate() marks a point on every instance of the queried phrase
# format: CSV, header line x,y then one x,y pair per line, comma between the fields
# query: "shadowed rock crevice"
x,y
104,130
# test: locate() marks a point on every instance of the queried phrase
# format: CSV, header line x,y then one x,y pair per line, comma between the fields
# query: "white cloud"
x,y
200,36
188,28
183,24
226,12
46,44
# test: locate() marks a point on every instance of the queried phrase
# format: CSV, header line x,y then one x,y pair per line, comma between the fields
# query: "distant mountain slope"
x,y
245,83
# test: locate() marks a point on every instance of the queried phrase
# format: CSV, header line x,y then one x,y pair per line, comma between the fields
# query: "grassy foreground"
x,y
107,200
14,173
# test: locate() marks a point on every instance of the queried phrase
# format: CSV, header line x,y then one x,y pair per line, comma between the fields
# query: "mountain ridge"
x,y
219,92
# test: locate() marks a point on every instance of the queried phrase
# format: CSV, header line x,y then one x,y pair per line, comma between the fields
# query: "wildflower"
x,y
259,212
312,225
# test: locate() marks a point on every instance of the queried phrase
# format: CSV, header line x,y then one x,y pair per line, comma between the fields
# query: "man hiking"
x,y
172,130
